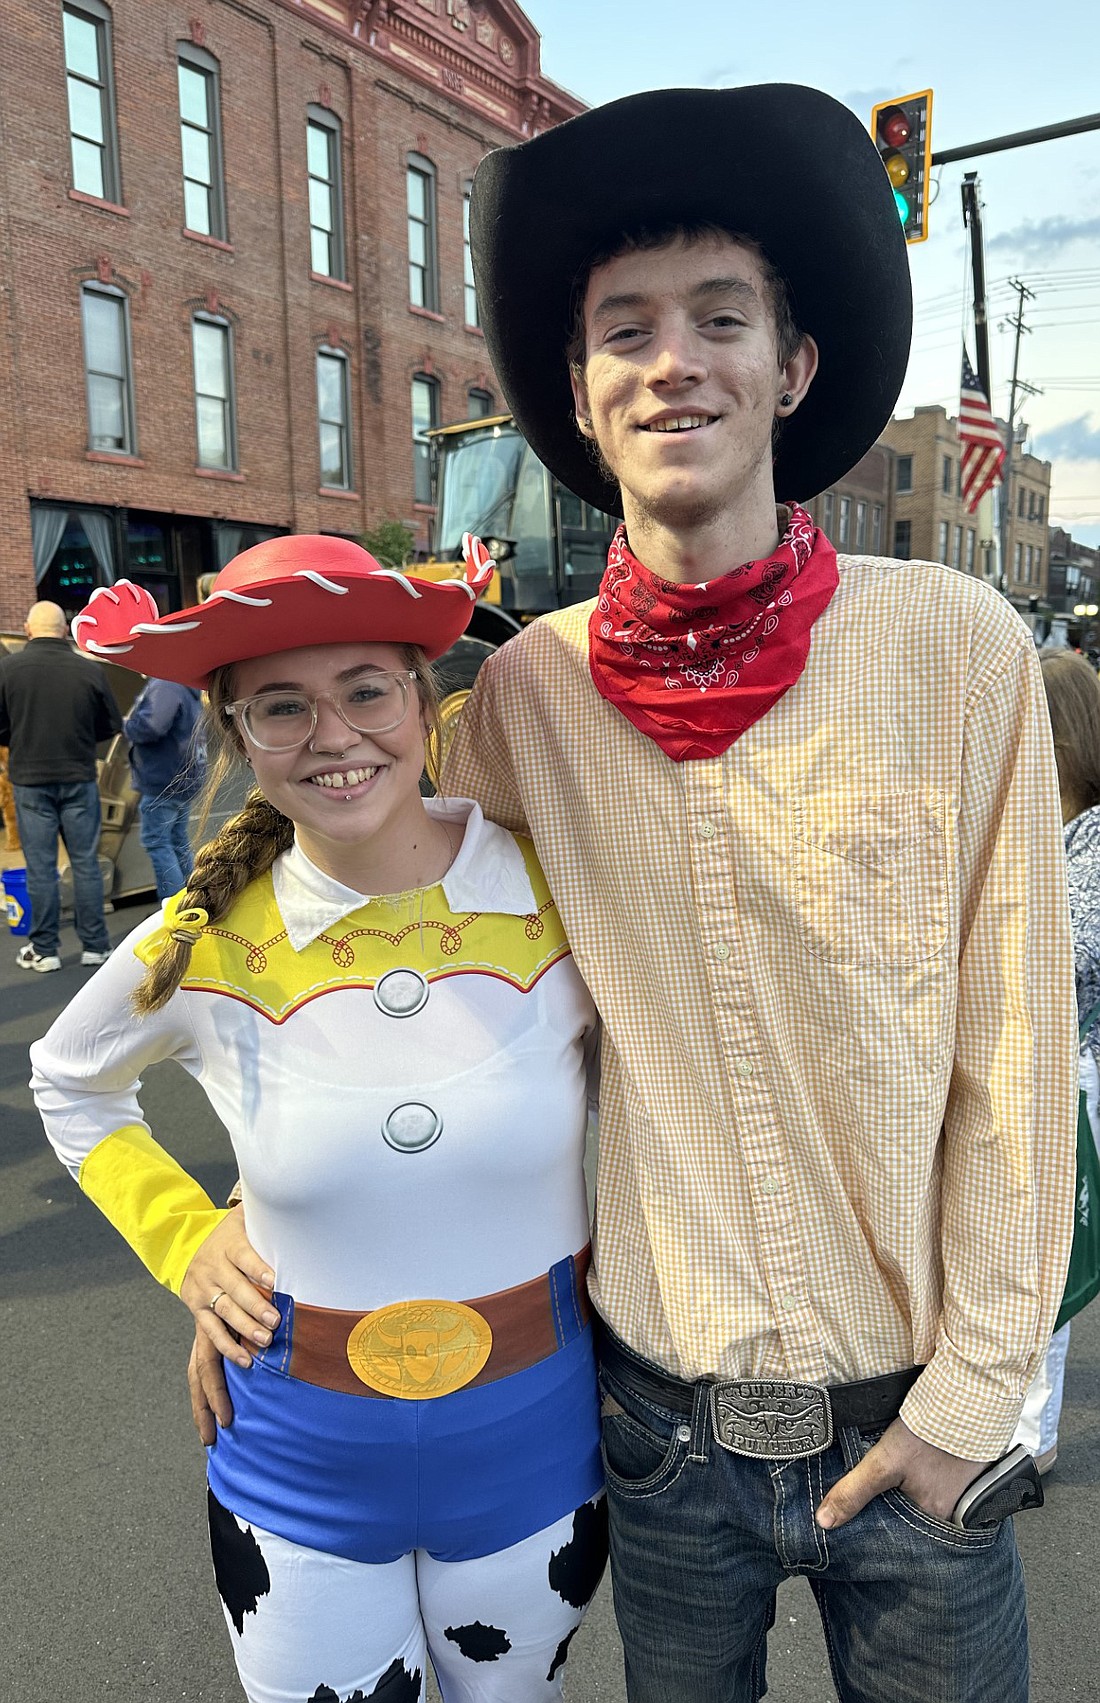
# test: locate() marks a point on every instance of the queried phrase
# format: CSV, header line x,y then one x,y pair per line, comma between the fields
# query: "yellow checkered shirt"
x,y
838,1092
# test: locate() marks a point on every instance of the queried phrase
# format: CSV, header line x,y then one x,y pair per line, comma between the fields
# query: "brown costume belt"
x,y
417,1350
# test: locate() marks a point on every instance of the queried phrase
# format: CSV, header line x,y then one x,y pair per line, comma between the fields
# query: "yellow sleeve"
x,y
161,1211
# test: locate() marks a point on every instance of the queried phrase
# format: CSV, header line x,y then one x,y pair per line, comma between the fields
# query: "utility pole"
x,y
1017,323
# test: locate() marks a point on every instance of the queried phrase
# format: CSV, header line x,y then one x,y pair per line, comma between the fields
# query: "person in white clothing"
x,y
377,996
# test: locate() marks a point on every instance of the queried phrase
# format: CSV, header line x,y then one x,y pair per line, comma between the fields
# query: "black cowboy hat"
x,y
786,165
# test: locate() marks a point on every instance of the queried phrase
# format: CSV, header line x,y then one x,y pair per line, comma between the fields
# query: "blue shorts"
x,y
372,1479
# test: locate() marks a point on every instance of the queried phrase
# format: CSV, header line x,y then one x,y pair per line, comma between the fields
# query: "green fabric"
x,y
1083,1276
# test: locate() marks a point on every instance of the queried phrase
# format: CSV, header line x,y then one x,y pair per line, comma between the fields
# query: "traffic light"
x,y
902,130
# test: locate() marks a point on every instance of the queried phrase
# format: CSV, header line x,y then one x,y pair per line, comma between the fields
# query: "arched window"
x,y
89,78
108,370
423,263
469,289
326,194
201,142
334,418
215,423
425,415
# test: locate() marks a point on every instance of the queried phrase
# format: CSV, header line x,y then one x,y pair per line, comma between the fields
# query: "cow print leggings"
x,y
313,1628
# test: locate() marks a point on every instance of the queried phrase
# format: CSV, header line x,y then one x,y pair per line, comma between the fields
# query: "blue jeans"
x,y
914,1611
71,809
164,834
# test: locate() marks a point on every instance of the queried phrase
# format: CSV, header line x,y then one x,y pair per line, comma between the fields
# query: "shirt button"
x,y
722,949
769,1186
744,1067
790,1302
707,829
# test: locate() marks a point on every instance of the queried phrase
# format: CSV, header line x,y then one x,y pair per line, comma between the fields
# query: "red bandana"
x,y
692,666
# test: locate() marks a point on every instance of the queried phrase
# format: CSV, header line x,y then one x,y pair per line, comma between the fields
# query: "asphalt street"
x,y
107,1590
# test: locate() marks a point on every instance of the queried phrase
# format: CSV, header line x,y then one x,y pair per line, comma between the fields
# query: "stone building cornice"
x,y
483,55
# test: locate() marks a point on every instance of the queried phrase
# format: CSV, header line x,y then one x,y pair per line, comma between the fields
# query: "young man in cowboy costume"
x,y
800,817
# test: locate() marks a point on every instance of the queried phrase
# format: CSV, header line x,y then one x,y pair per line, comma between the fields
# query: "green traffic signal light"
x,y
902,131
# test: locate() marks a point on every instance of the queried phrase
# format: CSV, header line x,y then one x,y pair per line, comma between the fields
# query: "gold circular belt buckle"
x,y
417,1350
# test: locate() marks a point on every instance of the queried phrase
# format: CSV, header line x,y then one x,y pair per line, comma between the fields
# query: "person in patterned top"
x,y
1073,696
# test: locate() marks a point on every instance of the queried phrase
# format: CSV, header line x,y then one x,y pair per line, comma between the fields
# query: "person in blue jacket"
x,y
168,765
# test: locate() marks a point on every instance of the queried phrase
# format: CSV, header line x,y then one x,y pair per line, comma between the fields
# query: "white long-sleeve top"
x,y
387,1148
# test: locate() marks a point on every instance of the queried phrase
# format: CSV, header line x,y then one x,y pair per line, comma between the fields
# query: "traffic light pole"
x,y
1018,139
973,218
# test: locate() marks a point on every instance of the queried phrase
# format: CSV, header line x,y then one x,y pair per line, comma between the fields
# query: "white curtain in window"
x,y
229,543
47,525
99,533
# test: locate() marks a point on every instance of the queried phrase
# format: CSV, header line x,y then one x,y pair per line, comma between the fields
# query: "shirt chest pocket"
x,y
870,876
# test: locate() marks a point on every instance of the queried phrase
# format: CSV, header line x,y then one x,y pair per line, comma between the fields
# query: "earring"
x,y
586,421
786,399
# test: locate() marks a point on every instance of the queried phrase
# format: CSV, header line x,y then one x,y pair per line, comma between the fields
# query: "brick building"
x,y
1027,536
856,513
236,284
931,521
1074,583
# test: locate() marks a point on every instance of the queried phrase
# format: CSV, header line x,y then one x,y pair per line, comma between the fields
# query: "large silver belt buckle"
x,y
771,1420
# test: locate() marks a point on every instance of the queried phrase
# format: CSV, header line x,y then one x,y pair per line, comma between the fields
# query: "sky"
x,y
993,70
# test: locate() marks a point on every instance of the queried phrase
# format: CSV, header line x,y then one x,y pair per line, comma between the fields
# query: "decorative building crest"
x,y
459,13
324,95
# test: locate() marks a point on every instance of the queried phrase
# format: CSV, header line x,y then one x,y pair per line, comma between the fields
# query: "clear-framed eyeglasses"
x,y
282,720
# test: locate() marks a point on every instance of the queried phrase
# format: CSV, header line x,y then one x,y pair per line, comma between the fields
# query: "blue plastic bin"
x,y
17,902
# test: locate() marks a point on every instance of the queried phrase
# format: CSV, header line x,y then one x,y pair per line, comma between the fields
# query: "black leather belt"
x,y
769,1418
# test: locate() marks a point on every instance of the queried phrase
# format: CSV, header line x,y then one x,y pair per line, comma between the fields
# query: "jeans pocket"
x,y
855,1445
644,1448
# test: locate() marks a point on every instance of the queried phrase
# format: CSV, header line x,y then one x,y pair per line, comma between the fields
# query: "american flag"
x,y
983,449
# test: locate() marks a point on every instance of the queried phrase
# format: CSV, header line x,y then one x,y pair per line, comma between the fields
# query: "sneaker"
x,y
28,959
94,957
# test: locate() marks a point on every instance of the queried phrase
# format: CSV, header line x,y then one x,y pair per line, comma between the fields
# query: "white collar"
x,y
488,874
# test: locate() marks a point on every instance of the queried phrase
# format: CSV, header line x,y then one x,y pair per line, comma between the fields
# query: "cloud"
x,y
723,77
1071,440
1042,237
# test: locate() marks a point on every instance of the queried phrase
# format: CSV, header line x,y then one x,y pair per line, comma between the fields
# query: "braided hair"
x,y
248,844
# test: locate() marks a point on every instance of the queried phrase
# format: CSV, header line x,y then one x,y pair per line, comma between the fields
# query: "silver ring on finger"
x,y
216,1297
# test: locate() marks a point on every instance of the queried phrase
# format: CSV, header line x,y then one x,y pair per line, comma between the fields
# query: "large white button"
x,y
412,1127
769,1186
707,829
744,1067
722,949
401,993
790,1302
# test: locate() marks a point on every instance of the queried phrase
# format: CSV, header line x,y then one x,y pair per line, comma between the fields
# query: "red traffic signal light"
x,y
902,131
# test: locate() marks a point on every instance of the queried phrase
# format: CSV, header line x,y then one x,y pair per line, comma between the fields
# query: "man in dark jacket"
x,y
55,707
168,765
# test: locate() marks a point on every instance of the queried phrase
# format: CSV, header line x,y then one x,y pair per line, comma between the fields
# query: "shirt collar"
x,y
488,874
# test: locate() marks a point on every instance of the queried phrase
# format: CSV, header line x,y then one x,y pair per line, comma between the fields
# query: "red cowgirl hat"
x,y
284,593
